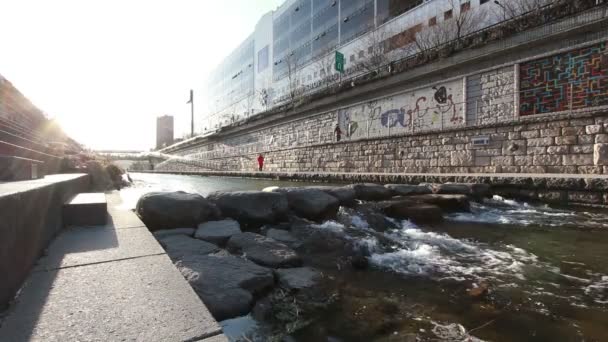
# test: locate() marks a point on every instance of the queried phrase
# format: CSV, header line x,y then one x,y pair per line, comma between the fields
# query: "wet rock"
x,y
226,284
448,203
263,250
346,195
179,246
169,210
297,278
217,232
359,262
312,204
417,212
407,190
371,192
252,207
476,190
159,234
281,236
478,290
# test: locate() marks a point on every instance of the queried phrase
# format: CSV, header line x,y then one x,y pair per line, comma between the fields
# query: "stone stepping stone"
x,y
263,251
217,232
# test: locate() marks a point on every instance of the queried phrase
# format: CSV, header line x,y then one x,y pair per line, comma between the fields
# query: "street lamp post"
x,y
504,10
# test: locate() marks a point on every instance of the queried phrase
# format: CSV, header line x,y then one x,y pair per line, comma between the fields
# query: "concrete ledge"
x,y
30,215
108,283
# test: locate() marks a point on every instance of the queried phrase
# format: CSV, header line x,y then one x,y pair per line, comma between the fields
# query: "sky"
x,y
105,69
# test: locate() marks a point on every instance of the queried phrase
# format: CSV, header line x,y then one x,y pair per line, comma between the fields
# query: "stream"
x,y
506,271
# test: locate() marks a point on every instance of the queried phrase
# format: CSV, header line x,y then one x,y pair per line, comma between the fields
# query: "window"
x,y
432,21
465,6
352,58
263,59
370,50
481,2
448,15
361,54
389,9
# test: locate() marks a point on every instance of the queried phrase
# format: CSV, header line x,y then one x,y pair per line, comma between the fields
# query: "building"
x,y
292,49
164,131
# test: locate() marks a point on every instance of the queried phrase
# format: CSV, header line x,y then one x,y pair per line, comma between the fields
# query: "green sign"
x,y
339,61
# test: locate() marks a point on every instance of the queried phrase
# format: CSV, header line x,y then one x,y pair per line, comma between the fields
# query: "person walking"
x,y
338,132
261,161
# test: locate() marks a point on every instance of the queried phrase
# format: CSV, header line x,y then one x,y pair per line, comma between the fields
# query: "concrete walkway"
x,y
108,283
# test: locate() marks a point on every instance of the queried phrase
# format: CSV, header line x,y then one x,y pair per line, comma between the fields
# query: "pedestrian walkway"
x,y
108,283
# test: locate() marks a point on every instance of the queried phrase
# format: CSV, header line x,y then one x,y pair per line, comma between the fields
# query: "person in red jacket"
x,y
261,162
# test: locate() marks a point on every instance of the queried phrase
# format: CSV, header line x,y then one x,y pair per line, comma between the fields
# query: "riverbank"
x,y
562,189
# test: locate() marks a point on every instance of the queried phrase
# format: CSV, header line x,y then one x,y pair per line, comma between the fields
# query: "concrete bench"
x,y
86,209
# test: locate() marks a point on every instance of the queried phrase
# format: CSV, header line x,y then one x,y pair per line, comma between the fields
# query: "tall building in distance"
x,y
292,49
164,131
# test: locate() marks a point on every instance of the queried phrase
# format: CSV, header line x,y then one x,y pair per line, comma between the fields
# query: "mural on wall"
x,y
551,83
424,109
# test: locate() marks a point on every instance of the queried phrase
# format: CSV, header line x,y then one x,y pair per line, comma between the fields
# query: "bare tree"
x,y
324,66
464,21
294,70
508,9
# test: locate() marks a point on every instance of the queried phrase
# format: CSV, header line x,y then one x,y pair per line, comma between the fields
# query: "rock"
x,y
226,284
159,234
359,262
371,192
169,210
297,278
448,203
452,188
217,232
478,290
476,190
263,250
179,246
281,236
417,212
345,194
600,154
100,179
406,190
252,207
311,204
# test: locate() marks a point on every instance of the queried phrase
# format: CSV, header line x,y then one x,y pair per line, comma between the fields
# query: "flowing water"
x,y
506,271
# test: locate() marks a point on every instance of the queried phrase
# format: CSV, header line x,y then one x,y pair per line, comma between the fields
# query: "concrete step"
x,y
86,209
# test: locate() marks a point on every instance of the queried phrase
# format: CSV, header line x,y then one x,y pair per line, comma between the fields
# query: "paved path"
x,y
108,283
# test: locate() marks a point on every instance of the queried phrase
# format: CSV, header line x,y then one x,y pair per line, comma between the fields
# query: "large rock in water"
x,y
417,212
476,190
227,284
180,246
312,204
217,232
449,203
297,278
345,194
371,192
160,234
263,251
252,207
407,190
168,210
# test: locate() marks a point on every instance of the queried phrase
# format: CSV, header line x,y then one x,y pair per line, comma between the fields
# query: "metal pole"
x,y
191,113
571,91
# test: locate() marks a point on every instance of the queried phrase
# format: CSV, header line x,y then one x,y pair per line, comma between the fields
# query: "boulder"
x,y
448,203
252,207
417,212
345,194
179,246
477,190
226,284
281,236
217,232
169,210
312,204
297,278
407,190
263,251
159,234
371,192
